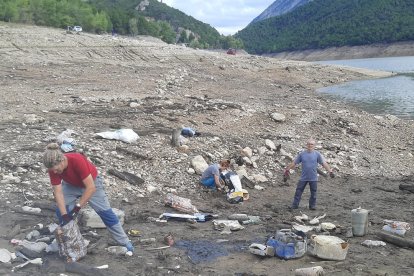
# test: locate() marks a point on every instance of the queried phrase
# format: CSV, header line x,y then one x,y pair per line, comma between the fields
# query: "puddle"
x,y
207,251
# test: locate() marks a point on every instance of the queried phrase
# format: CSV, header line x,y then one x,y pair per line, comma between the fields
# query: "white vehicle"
x,y
77,28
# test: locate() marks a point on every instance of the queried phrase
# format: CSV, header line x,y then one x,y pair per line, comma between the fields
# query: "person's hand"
x,y
66,218
286,175
75,211
331,174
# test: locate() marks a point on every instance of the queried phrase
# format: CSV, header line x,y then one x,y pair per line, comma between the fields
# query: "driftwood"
x,y
399,241
384,189
135,154
158,248
129,177
51,206
407,187
83,269
175,137
41,214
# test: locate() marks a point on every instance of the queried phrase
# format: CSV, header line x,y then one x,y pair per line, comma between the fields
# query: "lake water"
x,y
392,95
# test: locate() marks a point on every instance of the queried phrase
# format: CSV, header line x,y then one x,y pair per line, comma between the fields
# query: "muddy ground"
x,y
51,81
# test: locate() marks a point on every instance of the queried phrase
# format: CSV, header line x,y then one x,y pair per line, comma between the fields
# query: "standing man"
x,y
310,158
75,183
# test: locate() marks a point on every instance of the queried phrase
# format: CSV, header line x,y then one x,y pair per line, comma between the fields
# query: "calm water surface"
x,y
392,95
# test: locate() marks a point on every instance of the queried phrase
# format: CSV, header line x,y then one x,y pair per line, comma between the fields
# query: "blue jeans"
x,y
313,185
99,202
209,182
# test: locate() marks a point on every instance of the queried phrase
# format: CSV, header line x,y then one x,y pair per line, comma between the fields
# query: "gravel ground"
x,y
52,81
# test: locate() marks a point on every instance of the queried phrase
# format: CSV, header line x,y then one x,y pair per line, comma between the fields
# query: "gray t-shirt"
x,y
310,161
211,171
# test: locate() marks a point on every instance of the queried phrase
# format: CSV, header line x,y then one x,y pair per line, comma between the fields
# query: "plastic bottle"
x,y
117,250
309,271
359,221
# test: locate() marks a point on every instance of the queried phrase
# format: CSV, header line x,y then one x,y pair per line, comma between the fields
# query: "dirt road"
x,y
52,81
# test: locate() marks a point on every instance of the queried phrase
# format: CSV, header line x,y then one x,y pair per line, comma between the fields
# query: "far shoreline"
x,y
398,49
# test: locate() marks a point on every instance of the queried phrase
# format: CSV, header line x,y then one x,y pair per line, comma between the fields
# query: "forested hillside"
x,y
125,17
322,24
55,13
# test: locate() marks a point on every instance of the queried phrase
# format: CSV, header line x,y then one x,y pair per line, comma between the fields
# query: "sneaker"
x,y
129,247
292,207
312,208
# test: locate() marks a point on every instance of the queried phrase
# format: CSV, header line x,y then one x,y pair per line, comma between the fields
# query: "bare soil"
x,y
52,80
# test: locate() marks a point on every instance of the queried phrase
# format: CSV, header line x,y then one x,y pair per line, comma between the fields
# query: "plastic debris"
x,y
126,135
327,226
396,227
32,235
37,247
233,225
302,218
119,250
31,209
315,220
261,249
5,255
169,240
310,271
180,203
370,243
37,261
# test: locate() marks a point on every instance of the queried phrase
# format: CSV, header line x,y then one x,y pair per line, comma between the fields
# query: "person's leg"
x,y
70,194
100,203
209,182
313,186
298,194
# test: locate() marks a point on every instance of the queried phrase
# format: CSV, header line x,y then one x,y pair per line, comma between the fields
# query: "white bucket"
x,y
328,247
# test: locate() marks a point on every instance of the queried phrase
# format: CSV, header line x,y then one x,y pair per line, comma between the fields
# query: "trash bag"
x,y
72,245
126,135
232,181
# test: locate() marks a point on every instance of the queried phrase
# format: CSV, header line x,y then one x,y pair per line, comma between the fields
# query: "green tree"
x,y
183,37
133,26
167,34
9,12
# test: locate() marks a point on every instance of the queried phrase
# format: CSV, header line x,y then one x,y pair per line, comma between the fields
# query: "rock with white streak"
x,y
278,117
247,152
269,144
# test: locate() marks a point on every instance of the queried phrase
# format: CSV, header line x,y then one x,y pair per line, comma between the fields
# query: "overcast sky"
x,y
226,16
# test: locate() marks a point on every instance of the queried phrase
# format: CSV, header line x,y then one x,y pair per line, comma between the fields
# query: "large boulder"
x,y
199,164
91,219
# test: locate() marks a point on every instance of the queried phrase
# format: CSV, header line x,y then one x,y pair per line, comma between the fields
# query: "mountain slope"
x,y
280,7
333,23
125,17
204,33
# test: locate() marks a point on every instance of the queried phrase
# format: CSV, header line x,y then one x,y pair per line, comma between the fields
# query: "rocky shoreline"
x,y
398,49
243,105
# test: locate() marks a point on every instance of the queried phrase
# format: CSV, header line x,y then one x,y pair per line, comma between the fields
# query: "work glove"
x,y
66,218
286,175
75,211
331,174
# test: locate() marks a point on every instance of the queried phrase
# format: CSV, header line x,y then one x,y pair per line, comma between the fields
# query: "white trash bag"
x,y
126,135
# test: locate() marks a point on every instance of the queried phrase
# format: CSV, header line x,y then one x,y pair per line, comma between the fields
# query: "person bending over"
x,y
76,183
